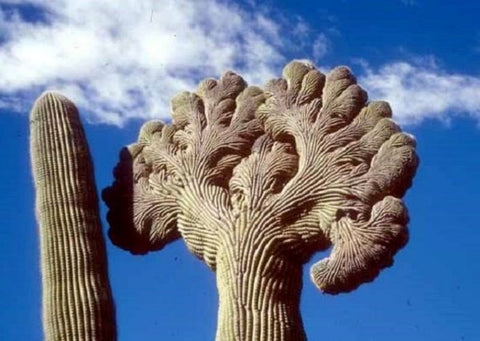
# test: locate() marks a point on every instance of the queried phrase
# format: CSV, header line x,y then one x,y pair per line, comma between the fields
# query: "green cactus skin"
x,y
77,299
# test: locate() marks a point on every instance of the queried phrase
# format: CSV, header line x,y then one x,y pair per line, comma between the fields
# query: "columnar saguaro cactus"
x,y
77,300
256,181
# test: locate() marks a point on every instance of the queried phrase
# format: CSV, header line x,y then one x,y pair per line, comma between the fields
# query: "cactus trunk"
x,y
77,300
259,295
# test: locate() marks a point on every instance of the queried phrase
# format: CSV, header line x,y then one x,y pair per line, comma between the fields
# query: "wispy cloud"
x,y
119,61
320,47
423,91
409,2
126,61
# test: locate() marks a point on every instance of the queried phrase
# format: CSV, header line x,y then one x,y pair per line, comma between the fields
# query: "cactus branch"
x,y
77,300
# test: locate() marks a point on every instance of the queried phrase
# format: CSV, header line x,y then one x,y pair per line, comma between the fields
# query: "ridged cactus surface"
x,y
77,300
256,181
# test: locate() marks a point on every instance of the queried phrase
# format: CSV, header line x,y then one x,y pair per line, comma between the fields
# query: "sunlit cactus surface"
x,y
256,181
77,300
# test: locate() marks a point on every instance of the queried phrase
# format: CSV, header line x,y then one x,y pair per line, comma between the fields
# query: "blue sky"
x,y
121,64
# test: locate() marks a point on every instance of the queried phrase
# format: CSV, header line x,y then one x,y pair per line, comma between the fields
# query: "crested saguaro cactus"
x,y
77,300
256,181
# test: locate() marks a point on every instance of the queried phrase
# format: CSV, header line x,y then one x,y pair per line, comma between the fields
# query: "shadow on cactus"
x,y
257,181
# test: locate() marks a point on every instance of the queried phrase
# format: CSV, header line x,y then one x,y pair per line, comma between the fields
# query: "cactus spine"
x,y
77,300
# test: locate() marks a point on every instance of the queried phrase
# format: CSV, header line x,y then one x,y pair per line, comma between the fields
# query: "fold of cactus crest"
x,y
77,299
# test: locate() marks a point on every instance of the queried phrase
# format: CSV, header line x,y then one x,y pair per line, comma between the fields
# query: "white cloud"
x,y
423,91
126,61
320,47
120,60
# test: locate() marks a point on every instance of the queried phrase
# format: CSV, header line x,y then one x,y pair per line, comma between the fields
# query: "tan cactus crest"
x,y
257,181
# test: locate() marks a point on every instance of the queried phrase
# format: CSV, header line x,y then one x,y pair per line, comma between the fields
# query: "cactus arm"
x,y
355,164
77,299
